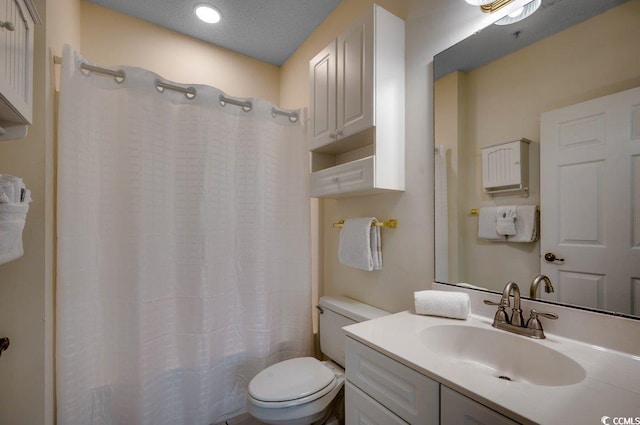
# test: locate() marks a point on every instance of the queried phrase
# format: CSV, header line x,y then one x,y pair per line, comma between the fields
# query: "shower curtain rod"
x,y
189,92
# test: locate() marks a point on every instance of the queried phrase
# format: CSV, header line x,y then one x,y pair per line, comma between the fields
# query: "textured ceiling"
x,y
268,30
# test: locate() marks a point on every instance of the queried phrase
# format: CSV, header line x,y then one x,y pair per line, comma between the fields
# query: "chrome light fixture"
x,y
490,6
479,2
520,13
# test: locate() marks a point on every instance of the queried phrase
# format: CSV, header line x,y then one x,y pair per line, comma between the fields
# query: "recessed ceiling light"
x,y
208,14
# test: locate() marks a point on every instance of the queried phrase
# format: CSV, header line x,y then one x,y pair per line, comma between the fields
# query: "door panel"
x,y
322,70
590,205
355,77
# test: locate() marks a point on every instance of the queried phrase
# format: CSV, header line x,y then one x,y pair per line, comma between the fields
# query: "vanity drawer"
x,y
361,409
458,409
407,393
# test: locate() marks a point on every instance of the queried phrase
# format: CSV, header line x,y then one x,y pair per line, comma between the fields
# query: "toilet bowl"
x,y
304,390
298,391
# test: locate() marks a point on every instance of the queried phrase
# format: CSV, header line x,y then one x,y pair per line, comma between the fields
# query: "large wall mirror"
x,y
554,79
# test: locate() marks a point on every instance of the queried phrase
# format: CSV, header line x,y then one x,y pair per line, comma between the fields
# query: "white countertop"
x,y
611,386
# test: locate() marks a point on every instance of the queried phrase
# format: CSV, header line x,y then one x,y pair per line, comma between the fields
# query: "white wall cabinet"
x,y
380,390
17,20
357,108
505,167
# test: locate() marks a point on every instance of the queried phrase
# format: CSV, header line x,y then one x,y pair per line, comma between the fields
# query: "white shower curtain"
x,y
183,250
441,217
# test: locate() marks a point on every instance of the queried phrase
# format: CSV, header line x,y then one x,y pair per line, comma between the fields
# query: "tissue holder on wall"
x,y
505,168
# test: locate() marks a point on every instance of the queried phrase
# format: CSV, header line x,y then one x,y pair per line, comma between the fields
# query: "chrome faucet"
x,y
516,311
515,323
548,287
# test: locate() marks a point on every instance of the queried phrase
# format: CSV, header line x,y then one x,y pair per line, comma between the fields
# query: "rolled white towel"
x,y
456,305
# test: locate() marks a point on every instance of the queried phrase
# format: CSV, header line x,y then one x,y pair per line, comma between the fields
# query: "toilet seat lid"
x,y
290,379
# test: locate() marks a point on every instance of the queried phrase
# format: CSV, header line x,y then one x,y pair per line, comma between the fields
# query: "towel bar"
x,y
392,223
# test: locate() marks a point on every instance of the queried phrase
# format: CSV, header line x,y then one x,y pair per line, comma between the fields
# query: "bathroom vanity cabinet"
x,y
17,20
357,109
458,409
428,370
380,390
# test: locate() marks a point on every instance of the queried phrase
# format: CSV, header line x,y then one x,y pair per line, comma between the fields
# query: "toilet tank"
x,y
335,313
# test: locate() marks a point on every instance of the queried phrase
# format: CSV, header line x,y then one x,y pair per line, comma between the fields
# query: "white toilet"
x,y
302,391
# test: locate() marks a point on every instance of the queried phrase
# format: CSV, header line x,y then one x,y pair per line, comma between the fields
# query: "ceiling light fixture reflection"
x,y
478,2
208,13
520,14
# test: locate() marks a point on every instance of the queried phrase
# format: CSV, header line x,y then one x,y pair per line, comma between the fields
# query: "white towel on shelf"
x,y
506,220
487,221
13,190
360,244
456,305
12,220
526,224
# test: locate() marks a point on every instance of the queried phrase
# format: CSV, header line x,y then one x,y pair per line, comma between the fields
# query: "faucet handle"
x,y
534,322
501,314
502,303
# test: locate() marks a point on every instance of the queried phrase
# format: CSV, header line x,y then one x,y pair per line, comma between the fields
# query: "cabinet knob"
x,y
339,132
7,25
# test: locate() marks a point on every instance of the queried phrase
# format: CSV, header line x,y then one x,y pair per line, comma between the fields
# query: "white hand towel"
x,y
456,305
360,244
505,220
487,225
526,224
376,248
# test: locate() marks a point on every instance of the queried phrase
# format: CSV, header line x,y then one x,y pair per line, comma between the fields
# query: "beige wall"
x,y
173,56
567,68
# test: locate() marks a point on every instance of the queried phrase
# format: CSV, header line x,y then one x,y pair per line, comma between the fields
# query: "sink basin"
x,y
502,355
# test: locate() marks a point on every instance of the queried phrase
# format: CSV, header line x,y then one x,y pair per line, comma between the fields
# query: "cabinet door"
x,y
408,394
16,59
360,409
355,77
456,409
322,74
